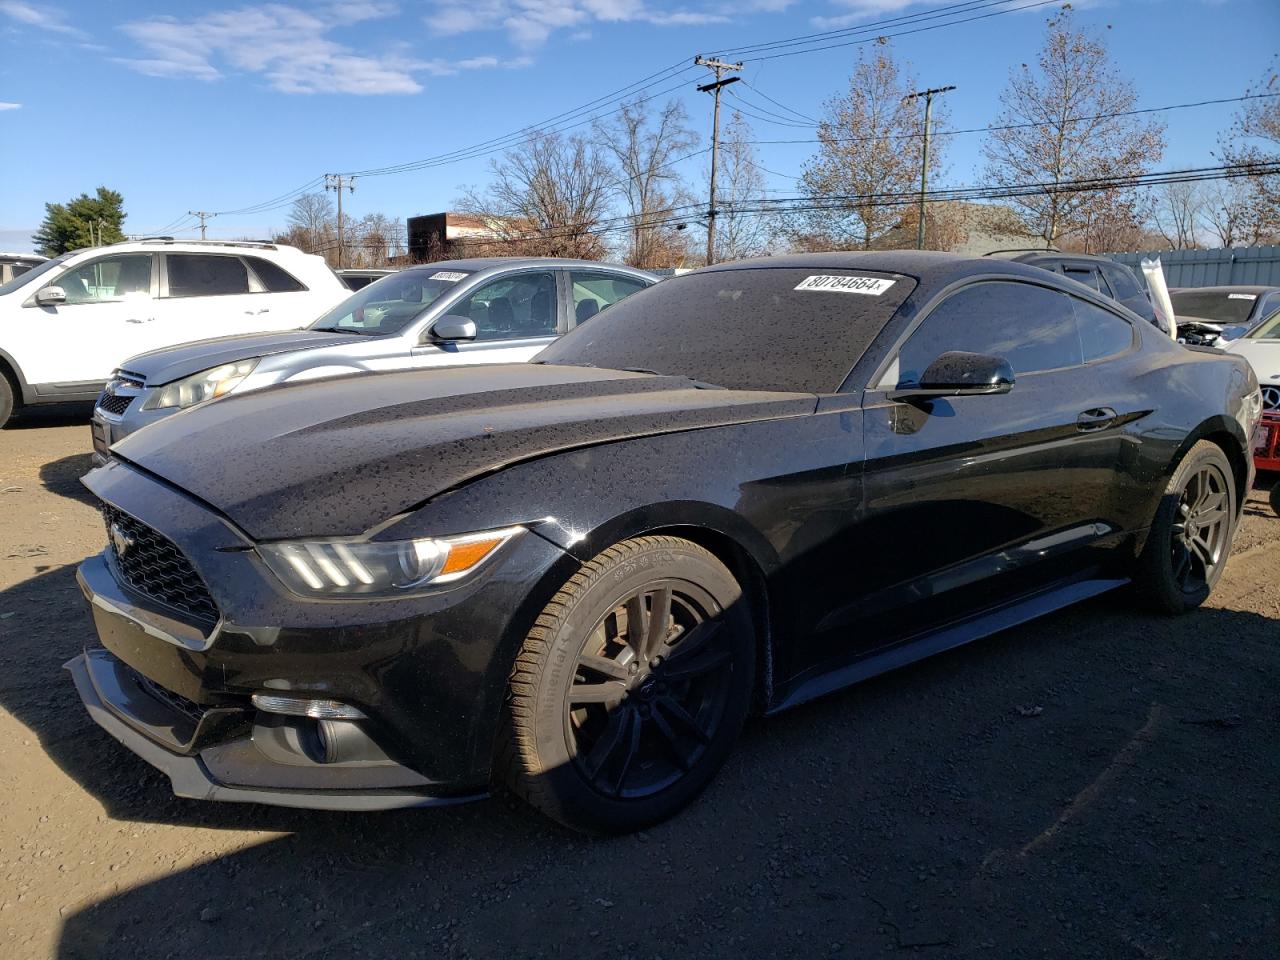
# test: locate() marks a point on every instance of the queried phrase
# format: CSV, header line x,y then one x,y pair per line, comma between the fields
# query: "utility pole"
x,y
720,67
339,182
924,163
203,217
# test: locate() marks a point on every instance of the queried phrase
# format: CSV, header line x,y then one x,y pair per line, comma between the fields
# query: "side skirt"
x,y
944,638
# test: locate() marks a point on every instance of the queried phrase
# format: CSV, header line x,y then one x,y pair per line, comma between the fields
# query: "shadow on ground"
x,y
52,415
63,477
1100,783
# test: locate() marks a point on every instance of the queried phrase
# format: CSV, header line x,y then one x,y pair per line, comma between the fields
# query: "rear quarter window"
x,y
276,279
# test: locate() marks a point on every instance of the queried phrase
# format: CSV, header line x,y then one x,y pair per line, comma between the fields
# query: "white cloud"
x,y
43,17
289,46
530,22
6,105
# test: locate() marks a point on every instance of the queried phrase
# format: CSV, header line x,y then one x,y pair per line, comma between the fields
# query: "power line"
x,y
791,110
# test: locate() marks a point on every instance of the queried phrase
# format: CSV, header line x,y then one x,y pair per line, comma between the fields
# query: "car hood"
x,y
173,363
338,457
1263,355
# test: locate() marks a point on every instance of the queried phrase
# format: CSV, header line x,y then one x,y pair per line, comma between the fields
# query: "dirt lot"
x,y
1099,784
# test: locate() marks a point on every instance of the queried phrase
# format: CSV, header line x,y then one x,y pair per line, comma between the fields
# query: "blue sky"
x,y
221,105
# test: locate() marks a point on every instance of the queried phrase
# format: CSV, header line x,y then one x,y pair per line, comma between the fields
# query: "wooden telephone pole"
x,y
720,67
924,163
339,182
203,218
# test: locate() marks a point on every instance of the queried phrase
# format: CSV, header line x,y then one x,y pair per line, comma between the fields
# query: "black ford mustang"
x,y
737,490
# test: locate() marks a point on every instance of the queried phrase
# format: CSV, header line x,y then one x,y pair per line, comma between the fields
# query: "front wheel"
x,y
631,688
6,399
1190,538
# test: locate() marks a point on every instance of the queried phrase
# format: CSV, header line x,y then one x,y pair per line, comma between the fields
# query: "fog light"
x,y
301,707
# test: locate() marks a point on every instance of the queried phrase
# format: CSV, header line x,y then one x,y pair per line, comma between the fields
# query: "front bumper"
x,y
238,770
1266,442
429,673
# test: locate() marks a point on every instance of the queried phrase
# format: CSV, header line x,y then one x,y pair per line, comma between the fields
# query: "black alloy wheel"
x,y
631,688
1201,530
650,691
1190,536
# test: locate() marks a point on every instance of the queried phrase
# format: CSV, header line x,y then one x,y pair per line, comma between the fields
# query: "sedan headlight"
x,y
201,386
344,568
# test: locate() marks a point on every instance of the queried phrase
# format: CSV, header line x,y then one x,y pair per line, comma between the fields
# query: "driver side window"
x,y
511,308
1031,327
108,279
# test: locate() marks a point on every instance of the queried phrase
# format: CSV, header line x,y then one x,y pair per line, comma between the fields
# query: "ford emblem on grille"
x,y
120,540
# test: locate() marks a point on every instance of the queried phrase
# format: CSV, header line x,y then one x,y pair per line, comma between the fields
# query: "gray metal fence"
x,y
1211,268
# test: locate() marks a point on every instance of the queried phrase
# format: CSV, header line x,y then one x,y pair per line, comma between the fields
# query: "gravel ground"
x,y
1101,783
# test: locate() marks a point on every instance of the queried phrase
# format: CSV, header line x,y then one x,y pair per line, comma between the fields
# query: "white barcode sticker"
x,y
873,286
1242,296
452,275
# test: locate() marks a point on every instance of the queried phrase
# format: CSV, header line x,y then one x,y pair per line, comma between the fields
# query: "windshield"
x,y
763,328
1218,306
390,304
1268,329
39,271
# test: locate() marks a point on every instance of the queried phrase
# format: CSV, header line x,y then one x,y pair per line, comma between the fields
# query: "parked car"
x,y
1261,347
739,489
493,310
1108,277
357,278
16,264
65,323
1233,310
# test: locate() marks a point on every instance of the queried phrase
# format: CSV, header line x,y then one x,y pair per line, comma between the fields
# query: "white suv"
x,y
67,323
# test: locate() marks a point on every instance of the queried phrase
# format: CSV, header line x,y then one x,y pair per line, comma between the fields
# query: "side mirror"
x,y
51,296
453,327
960,374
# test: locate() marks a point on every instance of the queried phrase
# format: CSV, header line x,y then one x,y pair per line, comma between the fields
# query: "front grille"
x,y
114,405
188,708
152,564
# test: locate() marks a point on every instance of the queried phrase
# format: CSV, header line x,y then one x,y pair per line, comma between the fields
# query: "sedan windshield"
x,y
762,328
1218,306
1268,329
22,279
390,304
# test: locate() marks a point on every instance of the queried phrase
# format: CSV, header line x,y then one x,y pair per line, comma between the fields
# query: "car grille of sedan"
x,y
152,565
114,405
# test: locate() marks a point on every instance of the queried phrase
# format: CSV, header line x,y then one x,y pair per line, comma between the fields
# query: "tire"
x,y
1182,561
6,399
1275,497
610,729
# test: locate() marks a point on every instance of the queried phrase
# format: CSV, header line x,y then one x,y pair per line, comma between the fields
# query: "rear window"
x,y
1124,283
781,328
274,278
198,275
1218,306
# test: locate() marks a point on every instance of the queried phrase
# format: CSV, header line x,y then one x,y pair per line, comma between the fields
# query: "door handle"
x,y
1096,418
143,320
254,313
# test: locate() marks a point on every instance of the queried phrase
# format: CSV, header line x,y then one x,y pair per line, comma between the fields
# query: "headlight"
x,y
343,568
201,386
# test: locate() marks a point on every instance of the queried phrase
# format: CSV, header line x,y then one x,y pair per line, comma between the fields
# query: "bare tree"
x,y
1061,125
1253,139
741,231
1177,212
645,149
547,198
870,143
312,222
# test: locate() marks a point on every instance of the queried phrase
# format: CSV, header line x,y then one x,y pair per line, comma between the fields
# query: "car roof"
x,y
476,264
1228,288
922,264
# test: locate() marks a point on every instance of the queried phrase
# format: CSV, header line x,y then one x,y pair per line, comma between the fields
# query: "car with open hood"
x,y
444,314
1261,347
737,490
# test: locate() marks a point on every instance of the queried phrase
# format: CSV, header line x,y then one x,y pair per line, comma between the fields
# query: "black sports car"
x,y
735,491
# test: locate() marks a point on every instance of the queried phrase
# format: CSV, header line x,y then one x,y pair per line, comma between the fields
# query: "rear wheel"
x,y
1275,496
631,689
1190,538
6,399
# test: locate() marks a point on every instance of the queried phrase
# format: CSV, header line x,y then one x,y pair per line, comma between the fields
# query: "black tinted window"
x,y
1216,305
747,329
1088,276
273,277
1102,333
1123,283
1031,327
198,275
